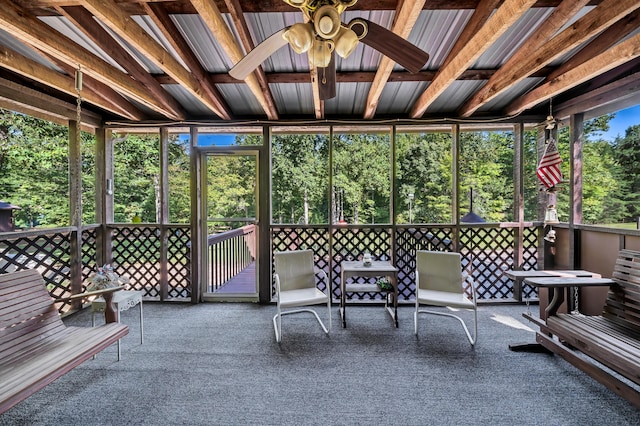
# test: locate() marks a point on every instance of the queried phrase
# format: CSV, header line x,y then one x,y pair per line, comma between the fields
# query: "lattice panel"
x,y
179,259
49,254
410,240
486,253
89,246
316,239
136,254
351,244
529,259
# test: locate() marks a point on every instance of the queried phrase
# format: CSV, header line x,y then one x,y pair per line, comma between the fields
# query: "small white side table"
x,y
122,301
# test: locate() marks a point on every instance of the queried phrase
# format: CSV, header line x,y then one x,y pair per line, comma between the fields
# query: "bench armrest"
x,y
562,282
89,294
110,314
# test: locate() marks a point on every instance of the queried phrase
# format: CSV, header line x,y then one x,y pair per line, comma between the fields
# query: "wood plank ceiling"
x,y
169,60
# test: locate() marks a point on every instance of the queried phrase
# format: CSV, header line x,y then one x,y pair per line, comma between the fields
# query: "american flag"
x,y
549,169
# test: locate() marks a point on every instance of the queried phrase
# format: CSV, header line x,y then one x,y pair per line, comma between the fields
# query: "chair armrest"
x,y
466,277
322,273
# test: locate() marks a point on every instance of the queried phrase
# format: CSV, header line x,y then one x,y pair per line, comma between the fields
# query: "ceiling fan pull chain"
x,y
324,70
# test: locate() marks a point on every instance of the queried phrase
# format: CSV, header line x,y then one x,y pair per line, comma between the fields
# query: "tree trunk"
x,y
156,190
306,208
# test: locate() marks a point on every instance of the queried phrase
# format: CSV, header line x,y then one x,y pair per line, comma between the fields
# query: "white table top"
x,y
376,266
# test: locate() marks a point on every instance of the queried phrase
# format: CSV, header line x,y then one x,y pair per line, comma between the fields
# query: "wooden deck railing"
x,y
229,253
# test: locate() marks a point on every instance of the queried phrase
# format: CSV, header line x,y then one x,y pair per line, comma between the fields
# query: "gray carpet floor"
x,y
219,364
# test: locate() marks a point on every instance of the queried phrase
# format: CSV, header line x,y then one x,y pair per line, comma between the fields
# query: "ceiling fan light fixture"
x,y
326,21
297,3
300,37
321,53
346,42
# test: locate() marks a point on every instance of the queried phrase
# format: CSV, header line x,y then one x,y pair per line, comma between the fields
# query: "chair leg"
x,y
471,339
277,321
141,325
277,326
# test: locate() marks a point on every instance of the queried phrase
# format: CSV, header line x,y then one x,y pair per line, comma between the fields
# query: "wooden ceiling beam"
x,y
610,93
122,24
34,32
213,19
541,50
608,60
82,19
135,7
405,18
508,12
37,104
28,68
480,15
602,42
303,77
163,21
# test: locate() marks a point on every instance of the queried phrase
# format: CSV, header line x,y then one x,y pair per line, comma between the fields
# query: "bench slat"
x,y
624,359
23,377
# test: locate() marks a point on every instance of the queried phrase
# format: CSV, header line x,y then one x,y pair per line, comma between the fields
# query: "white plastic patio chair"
x,y
439,282
296,287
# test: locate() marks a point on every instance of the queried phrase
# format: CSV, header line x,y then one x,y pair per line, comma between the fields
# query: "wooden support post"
x,y
576,122
163,213
542,200
455,184
263,243
196,216
392,198
575,186
105,188
518,204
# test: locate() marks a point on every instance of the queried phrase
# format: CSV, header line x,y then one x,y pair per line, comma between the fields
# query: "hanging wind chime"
x,y
548,171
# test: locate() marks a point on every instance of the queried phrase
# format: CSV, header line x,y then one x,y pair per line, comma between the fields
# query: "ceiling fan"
x,y
323,35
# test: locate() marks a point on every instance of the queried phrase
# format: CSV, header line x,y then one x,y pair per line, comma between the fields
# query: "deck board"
x,y
243,283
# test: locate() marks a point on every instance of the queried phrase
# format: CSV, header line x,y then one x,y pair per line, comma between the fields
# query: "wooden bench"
x,y
36,347
612,338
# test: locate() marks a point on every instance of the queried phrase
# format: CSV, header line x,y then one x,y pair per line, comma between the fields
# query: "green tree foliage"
x,y
136,160
34,176
136,177
627,155
300,184
231,185
424,169
34,173
362,177
486,167
179,181
34,169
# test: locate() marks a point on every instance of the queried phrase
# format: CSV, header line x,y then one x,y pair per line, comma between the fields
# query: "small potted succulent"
x,y
384,284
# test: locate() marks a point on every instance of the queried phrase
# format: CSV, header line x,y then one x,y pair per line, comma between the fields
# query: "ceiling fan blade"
x,y
326,80
258,55
392,45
